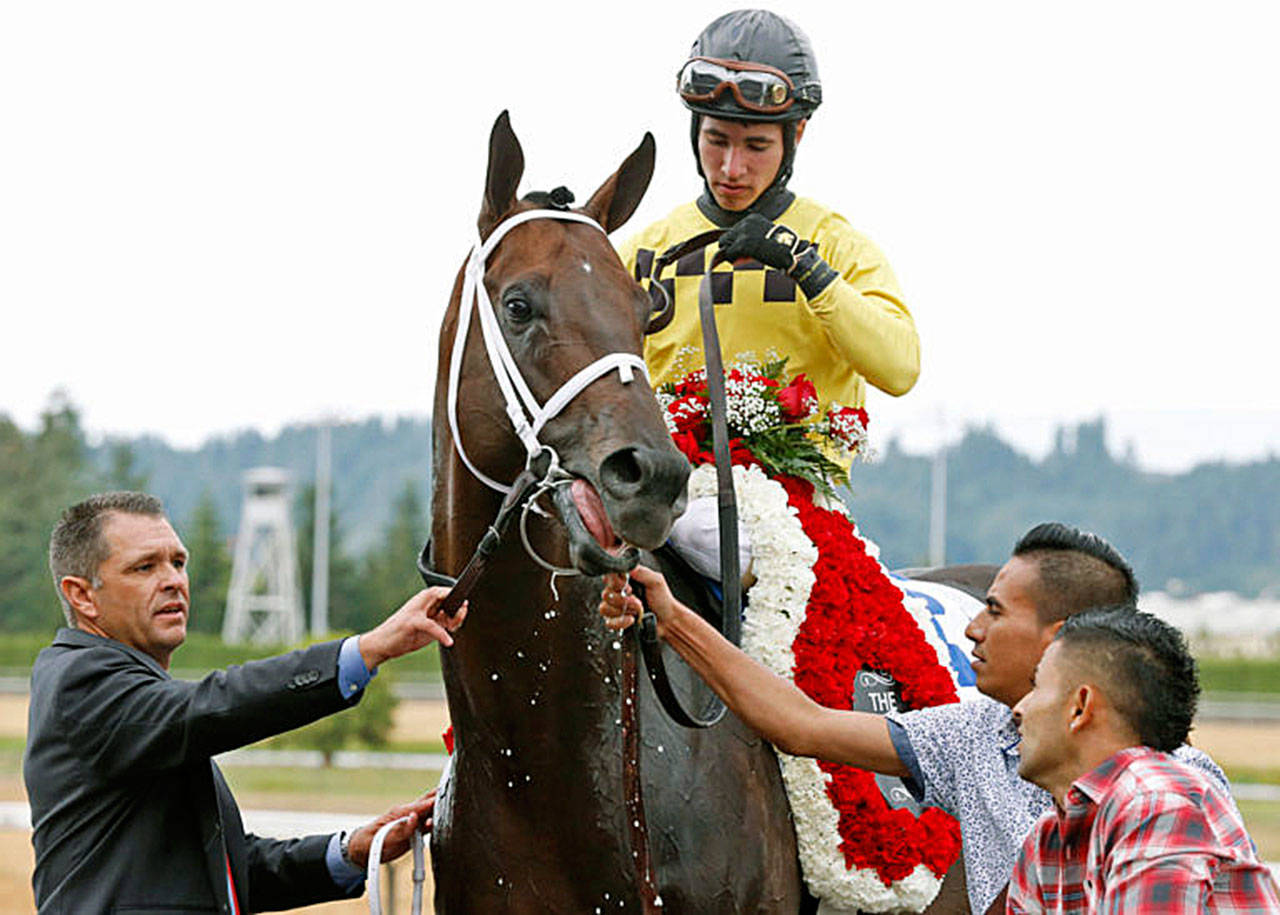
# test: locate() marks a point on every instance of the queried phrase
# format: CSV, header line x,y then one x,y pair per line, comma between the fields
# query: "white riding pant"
x,y
696,537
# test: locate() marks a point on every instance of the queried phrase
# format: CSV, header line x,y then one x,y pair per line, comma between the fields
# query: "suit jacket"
x,y
130,813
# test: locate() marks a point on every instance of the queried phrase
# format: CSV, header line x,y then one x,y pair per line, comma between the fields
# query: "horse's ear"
x,y
506,167
619,196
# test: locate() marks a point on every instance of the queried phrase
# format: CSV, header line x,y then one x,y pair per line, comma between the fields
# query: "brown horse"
x,y
535,816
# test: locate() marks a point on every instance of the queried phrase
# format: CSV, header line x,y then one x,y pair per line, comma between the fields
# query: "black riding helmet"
x,y
747,37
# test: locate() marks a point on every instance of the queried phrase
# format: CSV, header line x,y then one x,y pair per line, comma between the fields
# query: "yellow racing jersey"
x,y
857,330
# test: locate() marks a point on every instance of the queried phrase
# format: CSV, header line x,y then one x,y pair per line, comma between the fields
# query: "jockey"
x,y
803,283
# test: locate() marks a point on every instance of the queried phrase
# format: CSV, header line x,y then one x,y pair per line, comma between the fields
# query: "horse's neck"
x,y
525,665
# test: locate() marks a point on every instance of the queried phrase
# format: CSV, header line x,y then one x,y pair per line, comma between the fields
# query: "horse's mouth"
x,y
594,546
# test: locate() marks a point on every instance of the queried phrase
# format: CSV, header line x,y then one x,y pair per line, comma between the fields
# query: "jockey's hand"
x,y
620,606
775,245
417,623
397,840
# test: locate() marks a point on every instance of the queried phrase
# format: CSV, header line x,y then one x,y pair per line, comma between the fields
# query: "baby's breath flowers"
x,y
773,422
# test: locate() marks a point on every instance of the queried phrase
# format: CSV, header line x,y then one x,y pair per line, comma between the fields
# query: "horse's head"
x,y
563,300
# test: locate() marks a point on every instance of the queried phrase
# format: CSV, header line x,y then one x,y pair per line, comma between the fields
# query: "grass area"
x,y
1257,775
360,790
1262,818
281,742
1240,675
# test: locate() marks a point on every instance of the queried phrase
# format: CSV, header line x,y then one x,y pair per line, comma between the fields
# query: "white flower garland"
x,y
782,561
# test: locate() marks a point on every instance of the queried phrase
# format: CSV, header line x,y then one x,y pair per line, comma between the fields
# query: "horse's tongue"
x,y
589,506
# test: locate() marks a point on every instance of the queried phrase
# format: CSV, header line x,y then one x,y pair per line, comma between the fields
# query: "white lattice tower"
x,y
264,605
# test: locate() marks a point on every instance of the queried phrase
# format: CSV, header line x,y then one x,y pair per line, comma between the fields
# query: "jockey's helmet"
x,y
751,65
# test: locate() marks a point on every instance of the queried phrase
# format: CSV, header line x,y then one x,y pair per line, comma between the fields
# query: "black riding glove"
x,y
775,245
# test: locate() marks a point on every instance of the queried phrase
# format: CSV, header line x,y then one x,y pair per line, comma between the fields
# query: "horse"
x,y
569,789
534,816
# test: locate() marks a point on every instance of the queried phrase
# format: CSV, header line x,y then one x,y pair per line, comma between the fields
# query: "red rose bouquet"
x,y
773,423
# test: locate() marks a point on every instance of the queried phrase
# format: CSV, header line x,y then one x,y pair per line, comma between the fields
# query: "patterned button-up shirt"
x,y
1142,833
965,757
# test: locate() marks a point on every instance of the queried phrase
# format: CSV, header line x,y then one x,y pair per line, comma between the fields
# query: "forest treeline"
x,y
1215,527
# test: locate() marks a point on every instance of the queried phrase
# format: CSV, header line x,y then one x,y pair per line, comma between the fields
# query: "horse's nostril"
x,y
622,468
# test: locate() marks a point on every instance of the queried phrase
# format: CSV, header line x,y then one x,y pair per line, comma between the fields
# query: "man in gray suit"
x,y
129,810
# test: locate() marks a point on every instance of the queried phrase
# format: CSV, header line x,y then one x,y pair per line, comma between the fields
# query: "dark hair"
x,y
1143,665
76,546
1078,570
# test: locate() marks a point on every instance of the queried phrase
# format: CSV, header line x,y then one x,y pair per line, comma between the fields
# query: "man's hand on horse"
x,y
417,623
775,245
398,838
620,606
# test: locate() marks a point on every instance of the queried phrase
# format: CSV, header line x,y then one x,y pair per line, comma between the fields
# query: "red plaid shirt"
x,y
1141,833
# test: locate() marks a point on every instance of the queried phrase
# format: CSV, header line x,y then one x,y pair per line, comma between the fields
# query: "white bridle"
x,y
527,418
526,414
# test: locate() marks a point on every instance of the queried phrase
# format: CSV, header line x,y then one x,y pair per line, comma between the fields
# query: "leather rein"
x,y
543,474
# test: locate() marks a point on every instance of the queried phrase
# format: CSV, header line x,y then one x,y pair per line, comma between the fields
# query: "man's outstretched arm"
x,y
768,704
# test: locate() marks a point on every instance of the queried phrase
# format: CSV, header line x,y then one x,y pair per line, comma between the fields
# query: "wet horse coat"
x,y
534,817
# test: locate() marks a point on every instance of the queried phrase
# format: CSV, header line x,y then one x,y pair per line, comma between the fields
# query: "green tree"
x,y
41,473
390,568
390,574
210,566
122,469
347,601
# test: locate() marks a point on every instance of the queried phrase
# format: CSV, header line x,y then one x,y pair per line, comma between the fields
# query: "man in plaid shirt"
x,y
1133,829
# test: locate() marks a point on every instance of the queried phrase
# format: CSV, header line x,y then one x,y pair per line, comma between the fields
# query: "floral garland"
x,y
772,422
822,609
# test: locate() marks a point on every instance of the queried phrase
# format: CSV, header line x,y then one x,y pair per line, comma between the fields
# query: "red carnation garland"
x,y
855,620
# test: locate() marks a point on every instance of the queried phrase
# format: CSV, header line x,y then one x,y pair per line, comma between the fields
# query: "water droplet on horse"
x,y
586,266
635,823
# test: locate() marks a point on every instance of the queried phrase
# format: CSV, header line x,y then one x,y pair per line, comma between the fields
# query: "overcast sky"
x,y
239,214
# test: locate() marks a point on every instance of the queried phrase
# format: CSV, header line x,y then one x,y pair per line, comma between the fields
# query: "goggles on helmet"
x,y
756,87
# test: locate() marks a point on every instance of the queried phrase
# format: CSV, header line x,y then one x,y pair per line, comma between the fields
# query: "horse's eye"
x,y
518,309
